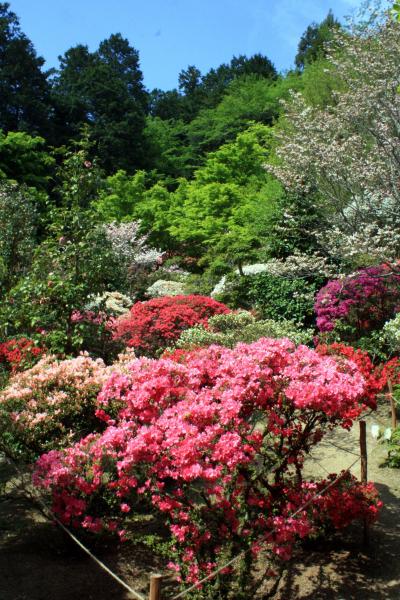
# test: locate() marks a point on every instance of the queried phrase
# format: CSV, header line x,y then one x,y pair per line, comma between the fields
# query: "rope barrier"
x,y
315,461
134,593
340,448
50,515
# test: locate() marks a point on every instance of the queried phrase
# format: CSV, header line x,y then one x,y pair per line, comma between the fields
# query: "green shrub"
x,y
230,329
273,296
393,459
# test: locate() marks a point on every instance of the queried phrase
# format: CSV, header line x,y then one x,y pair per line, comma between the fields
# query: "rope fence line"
x,y
134,593
50,515
328,442
35,496
315,461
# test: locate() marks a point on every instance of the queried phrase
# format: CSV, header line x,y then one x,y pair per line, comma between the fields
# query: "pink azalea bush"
x,y
214,442
50,405
364,301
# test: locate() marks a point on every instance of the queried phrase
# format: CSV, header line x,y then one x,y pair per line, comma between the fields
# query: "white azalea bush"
x,y
391,333
164,287
113,303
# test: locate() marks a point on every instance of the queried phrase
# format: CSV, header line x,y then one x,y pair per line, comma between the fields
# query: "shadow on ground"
x,y
38,561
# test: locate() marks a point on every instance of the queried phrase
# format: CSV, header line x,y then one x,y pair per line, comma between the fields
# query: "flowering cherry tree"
x,y
134,255
214,443
347,154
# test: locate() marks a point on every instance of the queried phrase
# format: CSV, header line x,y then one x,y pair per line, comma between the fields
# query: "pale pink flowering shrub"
x,y
215,444
50,405
89,316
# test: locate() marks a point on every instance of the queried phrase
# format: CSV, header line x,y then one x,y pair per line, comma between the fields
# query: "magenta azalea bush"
x,y
363,301
214,444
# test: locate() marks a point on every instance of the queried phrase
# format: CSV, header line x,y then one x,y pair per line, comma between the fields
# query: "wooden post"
x,y
363,451
155,587
392,405
364,470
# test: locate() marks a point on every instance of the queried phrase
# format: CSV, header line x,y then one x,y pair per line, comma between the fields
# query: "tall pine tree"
x,y
104,90
24,89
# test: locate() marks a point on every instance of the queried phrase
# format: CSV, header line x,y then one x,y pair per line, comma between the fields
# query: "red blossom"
x,y
157,323
20,354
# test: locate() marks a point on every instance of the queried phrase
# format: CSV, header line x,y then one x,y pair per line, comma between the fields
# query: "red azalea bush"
x,y
155,324
376,376
391,371
20,354
364,301
215,444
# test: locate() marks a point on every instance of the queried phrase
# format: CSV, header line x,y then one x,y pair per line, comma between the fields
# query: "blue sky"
x,y
172,34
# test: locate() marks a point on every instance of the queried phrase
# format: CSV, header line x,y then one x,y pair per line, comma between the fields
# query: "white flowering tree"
x,y
135,257
347,156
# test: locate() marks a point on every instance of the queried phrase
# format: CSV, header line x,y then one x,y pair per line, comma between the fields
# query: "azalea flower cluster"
x,y
90,316
215,443
19,354
364,300
50,405
391,333
375,376
391,370
158,322
113,303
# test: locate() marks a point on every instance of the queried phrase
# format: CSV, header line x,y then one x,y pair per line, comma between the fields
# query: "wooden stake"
x,y
364,470
155,587
363,451
392,405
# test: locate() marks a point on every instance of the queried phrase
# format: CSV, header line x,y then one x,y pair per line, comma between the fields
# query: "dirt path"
x,y
344,569
38,562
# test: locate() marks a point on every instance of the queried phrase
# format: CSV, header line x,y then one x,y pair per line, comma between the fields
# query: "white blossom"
x,y
114,303
349,152
130,246
162,287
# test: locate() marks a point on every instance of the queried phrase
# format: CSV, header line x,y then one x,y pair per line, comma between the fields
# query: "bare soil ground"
x,y
39,562
343,569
